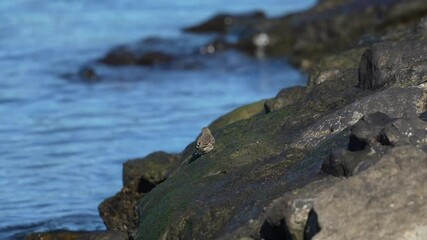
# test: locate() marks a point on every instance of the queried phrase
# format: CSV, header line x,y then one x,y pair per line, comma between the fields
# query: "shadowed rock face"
x,y
373,136
140,176
393,63
386,201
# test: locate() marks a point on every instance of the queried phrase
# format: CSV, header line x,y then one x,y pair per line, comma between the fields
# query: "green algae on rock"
x,y
237,114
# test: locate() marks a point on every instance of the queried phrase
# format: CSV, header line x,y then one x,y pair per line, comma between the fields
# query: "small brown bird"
x,y
206,142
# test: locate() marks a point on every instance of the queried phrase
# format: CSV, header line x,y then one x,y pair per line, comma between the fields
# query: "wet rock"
x,y
118,212
283,98
152,58
387,201
139,177
120,56
217,45
391,63
88,73
69,235
143,174
222,23
127,56
330,26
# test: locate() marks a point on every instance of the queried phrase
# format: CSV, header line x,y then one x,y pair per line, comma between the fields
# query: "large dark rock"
x,y
222,23
363,149
119,56
333,25
393,63
258,159
387,201
254,162
394,102
143,174
140,176
371,138
118,212
389,198
127,56
151,52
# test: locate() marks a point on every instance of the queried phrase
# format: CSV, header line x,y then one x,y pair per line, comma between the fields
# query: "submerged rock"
x,y
126,56
88,73
120,56
333,25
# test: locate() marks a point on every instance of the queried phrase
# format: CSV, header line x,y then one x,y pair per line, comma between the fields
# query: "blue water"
x,y
63,142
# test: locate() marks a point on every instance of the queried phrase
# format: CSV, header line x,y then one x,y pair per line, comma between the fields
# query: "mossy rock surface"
x,y
238,114
252,164
182,207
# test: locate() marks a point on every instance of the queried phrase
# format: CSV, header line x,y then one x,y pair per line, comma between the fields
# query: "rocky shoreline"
x,y
342,158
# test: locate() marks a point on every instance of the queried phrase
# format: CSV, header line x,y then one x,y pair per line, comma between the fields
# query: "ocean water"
x,y
63,142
